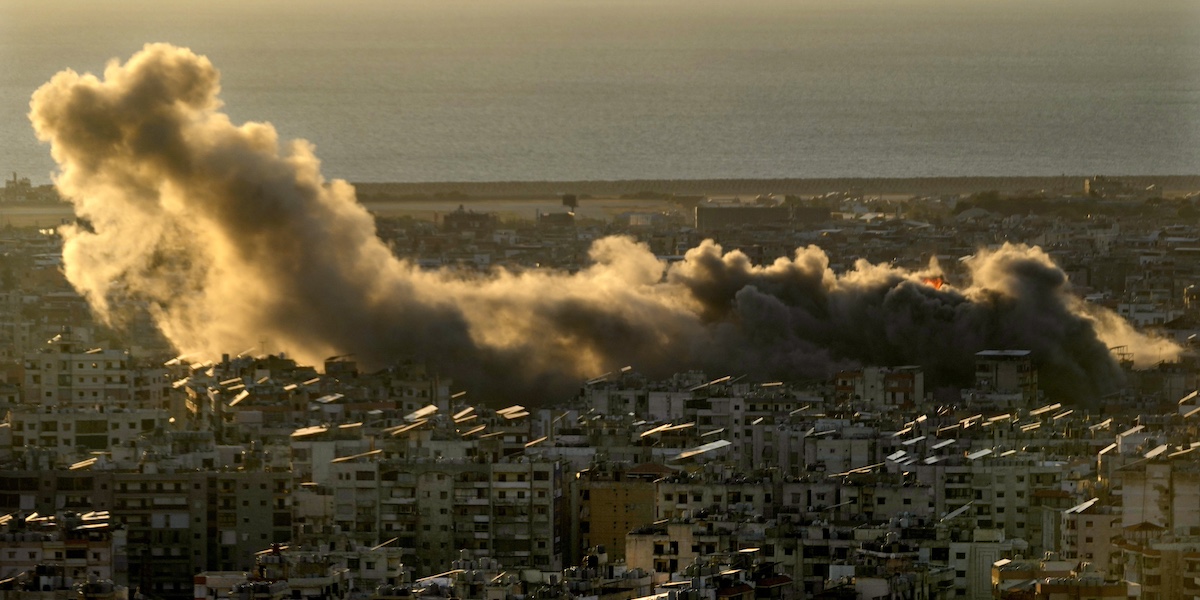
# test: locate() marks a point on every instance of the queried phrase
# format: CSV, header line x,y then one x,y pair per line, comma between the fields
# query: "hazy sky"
x,y
480,90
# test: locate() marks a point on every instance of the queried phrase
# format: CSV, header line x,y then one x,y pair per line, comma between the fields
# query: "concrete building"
x,y
1156,565
1006,372
880,387
612,502
1088,534
82,547
65,373
73,431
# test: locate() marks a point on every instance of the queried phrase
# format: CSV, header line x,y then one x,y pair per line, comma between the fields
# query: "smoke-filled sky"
x,y
232,236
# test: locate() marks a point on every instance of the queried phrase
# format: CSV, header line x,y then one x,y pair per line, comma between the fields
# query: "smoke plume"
x,y
231,237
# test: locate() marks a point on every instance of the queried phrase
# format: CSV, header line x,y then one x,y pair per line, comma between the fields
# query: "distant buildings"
x,y
716,217
20,190
126,471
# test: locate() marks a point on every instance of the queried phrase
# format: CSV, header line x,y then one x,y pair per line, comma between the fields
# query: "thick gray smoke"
x,y
232,239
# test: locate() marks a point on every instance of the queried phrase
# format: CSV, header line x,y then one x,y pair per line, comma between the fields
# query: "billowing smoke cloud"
x,y
231,238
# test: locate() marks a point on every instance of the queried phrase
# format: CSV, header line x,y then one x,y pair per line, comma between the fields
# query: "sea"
x,y
523,90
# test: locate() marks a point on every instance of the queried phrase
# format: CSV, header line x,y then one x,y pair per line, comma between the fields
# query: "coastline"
x,y
525,198
922,186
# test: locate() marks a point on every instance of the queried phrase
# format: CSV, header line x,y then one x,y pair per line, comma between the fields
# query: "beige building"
x,y
1088,534
65,373
513,511
612,502
1158,566
70,430
1162,491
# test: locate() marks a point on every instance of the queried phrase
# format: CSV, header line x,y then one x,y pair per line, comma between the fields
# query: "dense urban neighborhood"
x,y
129,471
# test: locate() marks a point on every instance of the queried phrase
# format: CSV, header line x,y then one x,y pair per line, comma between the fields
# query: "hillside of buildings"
x,y
128,471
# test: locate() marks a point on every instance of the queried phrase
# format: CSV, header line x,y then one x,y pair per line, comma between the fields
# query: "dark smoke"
x,y
231,239
796,317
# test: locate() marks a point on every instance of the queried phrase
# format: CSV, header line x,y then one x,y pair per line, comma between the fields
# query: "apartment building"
x,y
612,501
66,373
81,546
74,430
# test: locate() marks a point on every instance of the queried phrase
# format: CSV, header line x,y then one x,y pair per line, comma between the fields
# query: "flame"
x,y
935,282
